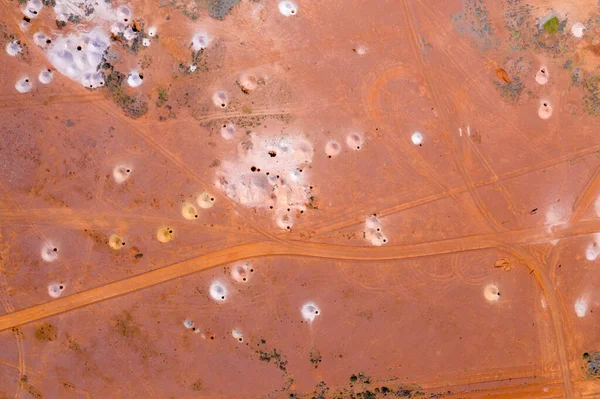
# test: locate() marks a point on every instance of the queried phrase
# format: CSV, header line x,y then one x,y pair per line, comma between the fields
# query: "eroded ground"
x,y
263,199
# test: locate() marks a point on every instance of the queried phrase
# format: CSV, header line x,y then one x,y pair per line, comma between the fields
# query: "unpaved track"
x,y
292,248
277,245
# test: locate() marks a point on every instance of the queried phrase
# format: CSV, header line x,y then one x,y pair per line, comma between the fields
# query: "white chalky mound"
x,y
269,172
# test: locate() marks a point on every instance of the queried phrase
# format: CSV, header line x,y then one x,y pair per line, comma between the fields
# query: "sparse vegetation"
x,y
591,100
591,362
133,106
163,97
46,332
551,26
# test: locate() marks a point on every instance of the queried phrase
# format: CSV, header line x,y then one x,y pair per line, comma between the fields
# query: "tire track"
x,y
492,223
32,102
283,110
111,110
483,216
544,282
495,178
587,197
436,197
8,308
4,297
173,158
420,166
302,249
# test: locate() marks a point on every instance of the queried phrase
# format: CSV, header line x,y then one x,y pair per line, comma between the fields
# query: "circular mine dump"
x,y
332,148
135,79
45,76
241,272
79,56
64,60
23,85
55,289
372,222
220,99
40,39
360,50
146,42
302,151
152,31
116,242
189,211
577,29
248,83
200,40
188,323
284,146
32,8
580,307
218,291
121,173
92,80
288,8
129,33
491,293
164,235
237,335
13,48
417,138
205,200
228,131
373,232
117,28
376,238
354,141
310,311
272,180
284,221
542,76
592,252
124,13
24,26
49,252
545,109
295,175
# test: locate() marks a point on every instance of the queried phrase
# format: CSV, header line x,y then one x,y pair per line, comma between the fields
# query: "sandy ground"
x,y
476,278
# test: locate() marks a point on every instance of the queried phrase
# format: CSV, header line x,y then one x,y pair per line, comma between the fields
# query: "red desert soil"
x,y
299,199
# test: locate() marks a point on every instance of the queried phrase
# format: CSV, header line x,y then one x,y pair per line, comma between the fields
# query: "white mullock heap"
x,y
270,172
373,231
79,55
